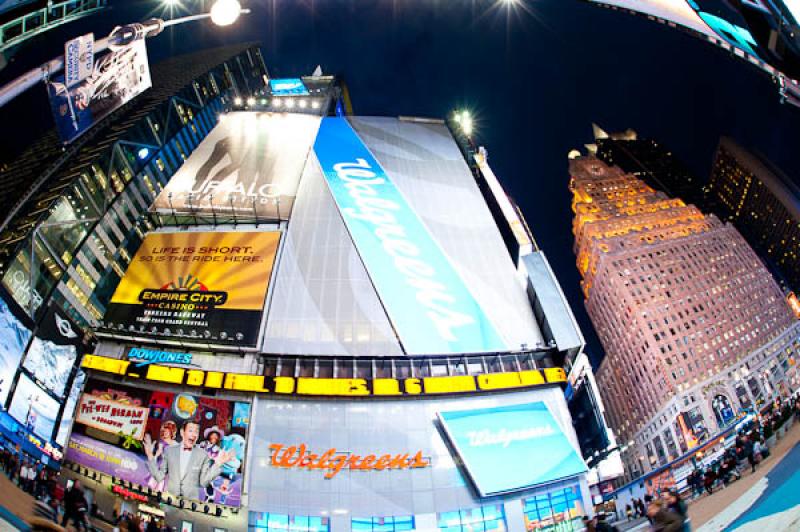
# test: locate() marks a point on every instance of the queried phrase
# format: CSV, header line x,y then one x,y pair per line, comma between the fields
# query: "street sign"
x,y
78,59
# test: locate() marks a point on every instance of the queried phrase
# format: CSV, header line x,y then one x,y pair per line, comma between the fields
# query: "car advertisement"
x,y
204,287
34,408
213,430
53,351
510,448
248,167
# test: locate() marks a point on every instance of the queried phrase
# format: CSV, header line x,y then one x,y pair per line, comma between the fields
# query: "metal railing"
x,y
34,22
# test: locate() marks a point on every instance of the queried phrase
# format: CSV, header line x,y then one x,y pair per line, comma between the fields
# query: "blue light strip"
x,y
428,303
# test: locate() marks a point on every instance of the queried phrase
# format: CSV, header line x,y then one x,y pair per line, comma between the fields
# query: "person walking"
x,y
75,507
663,519
676,504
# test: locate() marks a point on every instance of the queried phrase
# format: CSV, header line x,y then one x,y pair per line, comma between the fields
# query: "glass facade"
x,y
84,229
557,509
490,518
271,522
382,524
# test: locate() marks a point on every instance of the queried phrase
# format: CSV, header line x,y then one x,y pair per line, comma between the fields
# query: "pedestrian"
x,y
629,511
75,507
663,519
588,524
676,504
708,480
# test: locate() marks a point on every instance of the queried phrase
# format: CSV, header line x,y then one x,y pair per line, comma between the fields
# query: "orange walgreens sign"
x,y
333,461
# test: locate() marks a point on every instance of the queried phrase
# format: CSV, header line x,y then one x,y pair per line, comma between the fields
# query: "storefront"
x,y
415,464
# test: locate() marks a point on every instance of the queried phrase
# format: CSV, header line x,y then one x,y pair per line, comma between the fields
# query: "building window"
x,y
269,522
382,524
489,518
556,509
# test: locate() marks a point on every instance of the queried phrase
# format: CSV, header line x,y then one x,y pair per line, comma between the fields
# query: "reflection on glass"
x,y
270,522
490,518
555,510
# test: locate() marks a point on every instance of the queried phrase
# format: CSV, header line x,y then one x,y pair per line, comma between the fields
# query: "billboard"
x,y
14,337
493,442
33,407
150,456
248,166
69,409
208,287
53,351
117,77
428,302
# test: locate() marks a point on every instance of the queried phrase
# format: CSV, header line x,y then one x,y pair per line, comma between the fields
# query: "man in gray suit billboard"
x,y
187,468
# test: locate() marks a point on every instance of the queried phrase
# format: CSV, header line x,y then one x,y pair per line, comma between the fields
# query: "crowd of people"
x,y
67,507
666,514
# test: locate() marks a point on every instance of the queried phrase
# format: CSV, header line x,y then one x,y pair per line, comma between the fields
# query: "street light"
x,y
225,12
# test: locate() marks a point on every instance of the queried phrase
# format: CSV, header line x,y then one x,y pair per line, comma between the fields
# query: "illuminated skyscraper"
x,y
693,325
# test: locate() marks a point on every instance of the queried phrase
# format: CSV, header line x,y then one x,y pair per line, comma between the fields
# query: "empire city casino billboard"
x,y
204,287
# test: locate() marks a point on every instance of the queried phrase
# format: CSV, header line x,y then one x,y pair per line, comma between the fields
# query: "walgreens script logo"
x,y
333,461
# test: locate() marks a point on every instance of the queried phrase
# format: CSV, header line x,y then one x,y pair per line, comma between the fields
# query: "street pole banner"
x,y
78,59
116,78
427,301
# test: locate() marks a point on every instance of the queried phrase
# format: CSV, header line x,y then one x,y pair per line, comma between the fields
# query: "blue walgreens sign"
x,y
427,301
287,87
510,448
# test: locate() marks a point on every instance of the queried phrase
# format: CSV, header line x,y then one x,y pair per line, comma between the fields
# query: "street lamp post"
x,y
222,13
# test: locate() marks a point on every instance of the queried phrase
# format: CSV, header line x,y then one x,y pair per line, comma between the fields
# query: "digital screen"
x,y
511,448
14,338
287,87
34,408
117,444
50,363
69,409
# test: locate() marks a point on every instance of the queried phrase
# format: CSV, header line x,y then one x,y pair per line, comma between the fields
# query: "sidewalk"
x,y
20,504
706,508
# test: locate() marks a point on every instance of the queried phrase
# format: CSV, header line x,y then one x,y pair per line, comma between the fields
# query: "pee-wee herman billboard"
x,y
248,166
204,287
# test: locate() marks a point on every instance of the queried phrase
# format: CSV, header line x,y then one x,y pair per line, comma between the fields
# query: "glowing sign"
x,y
329,387
794,304
511,448
287,87
334,461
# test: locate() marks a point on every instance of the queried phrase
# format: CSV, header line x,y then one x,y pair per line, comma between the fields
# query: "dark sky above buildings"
x,y
535,77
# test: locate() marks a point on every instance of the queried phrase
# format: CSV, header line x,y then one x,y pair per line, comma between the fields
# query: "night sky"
x,y
535,76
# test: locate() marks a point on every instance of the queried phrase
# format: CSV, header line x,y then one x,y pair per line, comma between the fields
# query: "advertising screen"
x,y
69,408
117,78
163,423
287,87
692,14
14,338
248,166
494,443
34,408
207,287
51,363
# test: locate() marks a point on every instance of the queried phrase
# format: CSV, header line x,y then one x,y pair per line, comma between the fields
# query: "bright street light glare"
x,y
251,101
237,101
225,12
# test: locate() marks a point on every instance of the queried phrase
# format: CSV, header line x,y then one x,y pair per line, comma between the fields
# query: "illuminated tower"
x,y
685,310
